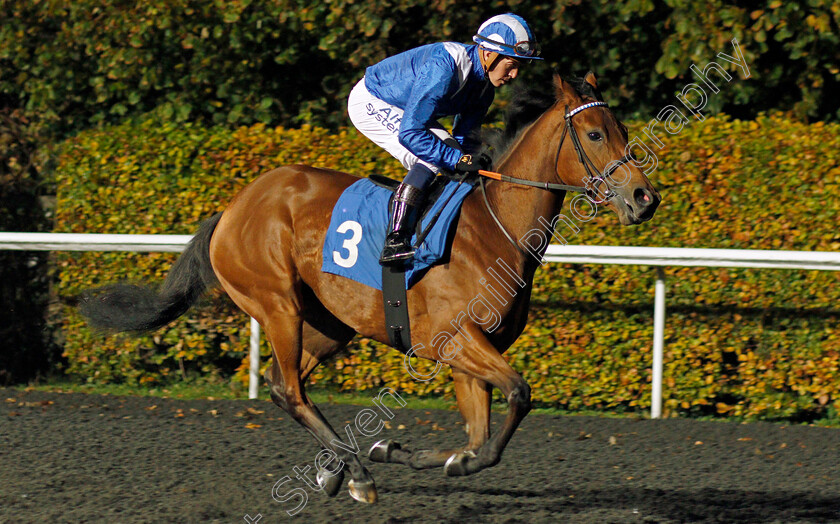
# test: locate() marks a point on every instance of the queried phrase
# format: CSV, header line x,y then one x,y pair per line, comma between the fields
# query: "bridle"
x,y
590,185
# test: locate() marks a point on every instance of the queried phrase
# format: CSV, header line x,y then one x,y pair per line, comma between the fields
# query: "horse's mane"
x,y
526,105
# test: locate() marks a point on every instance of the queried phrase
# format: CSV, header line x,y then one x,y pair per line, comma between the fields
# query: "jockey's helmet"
x,y
508,35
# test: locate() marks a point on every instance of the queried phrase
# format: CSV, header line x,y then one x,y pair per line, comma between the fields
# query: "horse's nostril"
x,y
642,197
646,203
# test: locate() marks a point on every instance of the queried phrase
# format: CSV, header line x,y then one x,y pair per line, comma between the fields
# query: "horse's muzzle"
x,y
640,207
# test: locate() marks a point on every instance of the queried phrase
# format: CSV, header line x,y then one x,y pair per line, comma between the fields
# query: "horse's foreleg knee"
x,y
519,399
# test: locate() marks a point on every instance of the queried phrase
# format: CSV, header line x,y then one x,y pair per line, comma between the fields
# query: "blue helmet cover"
x,y
508,35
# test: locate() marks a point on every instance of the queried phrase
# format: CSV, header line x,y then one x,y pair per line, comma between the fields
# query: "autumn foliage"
x,y
755,343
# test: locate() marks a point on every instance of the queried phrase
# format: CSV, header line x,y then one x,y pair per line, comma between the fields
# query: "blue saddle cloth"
x,y
359,224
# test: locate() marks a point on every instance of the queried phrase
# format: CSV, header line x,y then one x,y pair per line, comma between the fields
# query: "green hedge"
x,y
76,64
755,343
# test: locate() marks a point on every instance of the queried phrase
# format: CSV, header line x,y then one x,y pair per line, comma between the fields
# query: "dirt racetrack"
x,y
90,458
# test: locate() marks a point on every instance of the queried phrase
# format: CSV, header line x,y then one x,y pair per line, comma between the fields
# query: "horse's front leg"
x,y
473,397
481,360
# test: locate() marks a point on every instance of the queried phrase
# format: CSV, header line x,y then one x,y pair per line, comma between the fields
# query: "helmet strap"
x,y
490,62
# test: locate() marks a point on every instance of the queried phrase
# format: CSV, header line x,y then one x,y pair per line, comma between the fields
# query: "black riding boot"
x,y
403,219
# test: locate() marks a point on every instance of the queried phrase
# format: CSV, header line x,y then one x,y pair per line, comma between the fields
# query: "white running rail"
x,y
645,256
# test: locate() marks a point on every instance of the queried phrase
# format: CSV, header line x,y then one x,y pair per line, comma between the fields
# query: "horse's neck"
x,y
522,209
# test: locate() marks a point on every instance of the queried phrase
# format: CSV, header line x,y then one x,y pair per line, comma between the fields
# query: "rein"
x,y
530,183
589,187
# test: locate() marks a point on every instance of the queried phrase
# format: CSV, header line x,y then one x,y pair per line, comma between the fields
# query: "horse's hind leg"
x,y
474,403
285,332
318,345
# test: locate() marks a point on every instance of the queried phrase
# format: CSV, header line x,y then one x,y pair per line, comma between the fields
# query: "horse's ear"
x,y
590,79
562,89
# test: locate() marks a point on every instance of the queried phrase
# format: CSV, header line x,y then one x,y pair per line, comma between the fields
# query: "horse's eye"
x,y
595,136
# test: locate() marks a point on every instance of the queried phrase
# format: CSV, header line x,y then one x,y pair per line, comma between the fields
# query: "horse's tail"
x,y
124,307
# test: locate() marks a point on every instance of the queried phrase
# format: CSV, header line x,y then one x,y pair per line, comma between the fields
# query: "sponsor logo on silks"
x,y
388,116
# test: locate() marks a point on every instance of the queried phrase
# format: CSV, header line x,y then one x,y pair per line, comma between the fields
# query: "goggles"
x,y
525,48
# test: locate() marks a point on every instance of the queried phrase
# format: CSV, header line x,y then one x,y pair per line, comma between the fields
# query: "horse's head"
x,y
593,153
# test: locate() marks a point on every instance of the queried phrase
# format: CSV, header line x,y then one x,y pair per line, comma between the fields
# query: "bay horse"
x,y
265,250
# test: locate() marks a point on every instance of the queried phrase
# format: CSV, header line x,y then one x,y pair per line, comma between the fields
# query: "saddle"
x,y
394,294
357,230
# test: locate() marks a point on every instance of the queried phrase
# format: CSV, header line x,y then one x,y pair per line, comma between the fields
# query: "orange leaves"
x,y
747,343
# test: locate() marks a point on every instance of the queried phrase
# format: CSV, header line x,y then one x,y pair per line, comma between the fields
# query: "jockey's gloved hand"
x,y
472,163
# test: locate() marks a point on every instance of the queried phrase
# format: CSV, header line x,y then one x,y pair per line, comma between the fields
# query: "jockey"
x,y
398,101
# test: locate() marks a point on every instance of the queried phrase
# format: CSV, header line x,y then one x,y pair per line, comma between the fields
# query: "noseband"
x,y
590,185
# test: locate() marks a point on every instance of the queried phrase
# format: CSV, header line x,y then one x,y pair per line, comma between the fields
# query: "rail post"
x,y
658,343
254,358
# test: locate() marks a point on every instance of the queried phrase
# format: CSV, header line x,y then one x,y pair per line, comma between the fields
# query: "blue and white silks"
x,y
430,82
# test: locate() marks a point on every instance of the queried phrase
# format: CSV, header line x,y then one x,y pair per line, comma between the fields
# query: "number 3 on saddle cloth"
x,y
359,224
357,232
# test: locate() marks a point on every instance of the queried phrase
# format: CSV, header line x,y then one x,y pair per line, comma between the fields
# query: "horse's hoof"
x,y
330,483
382,450
363,491
458,464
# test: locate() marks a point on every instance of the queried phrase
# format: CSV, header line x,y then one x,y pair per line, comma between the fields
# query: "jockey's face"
x,y
502,69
